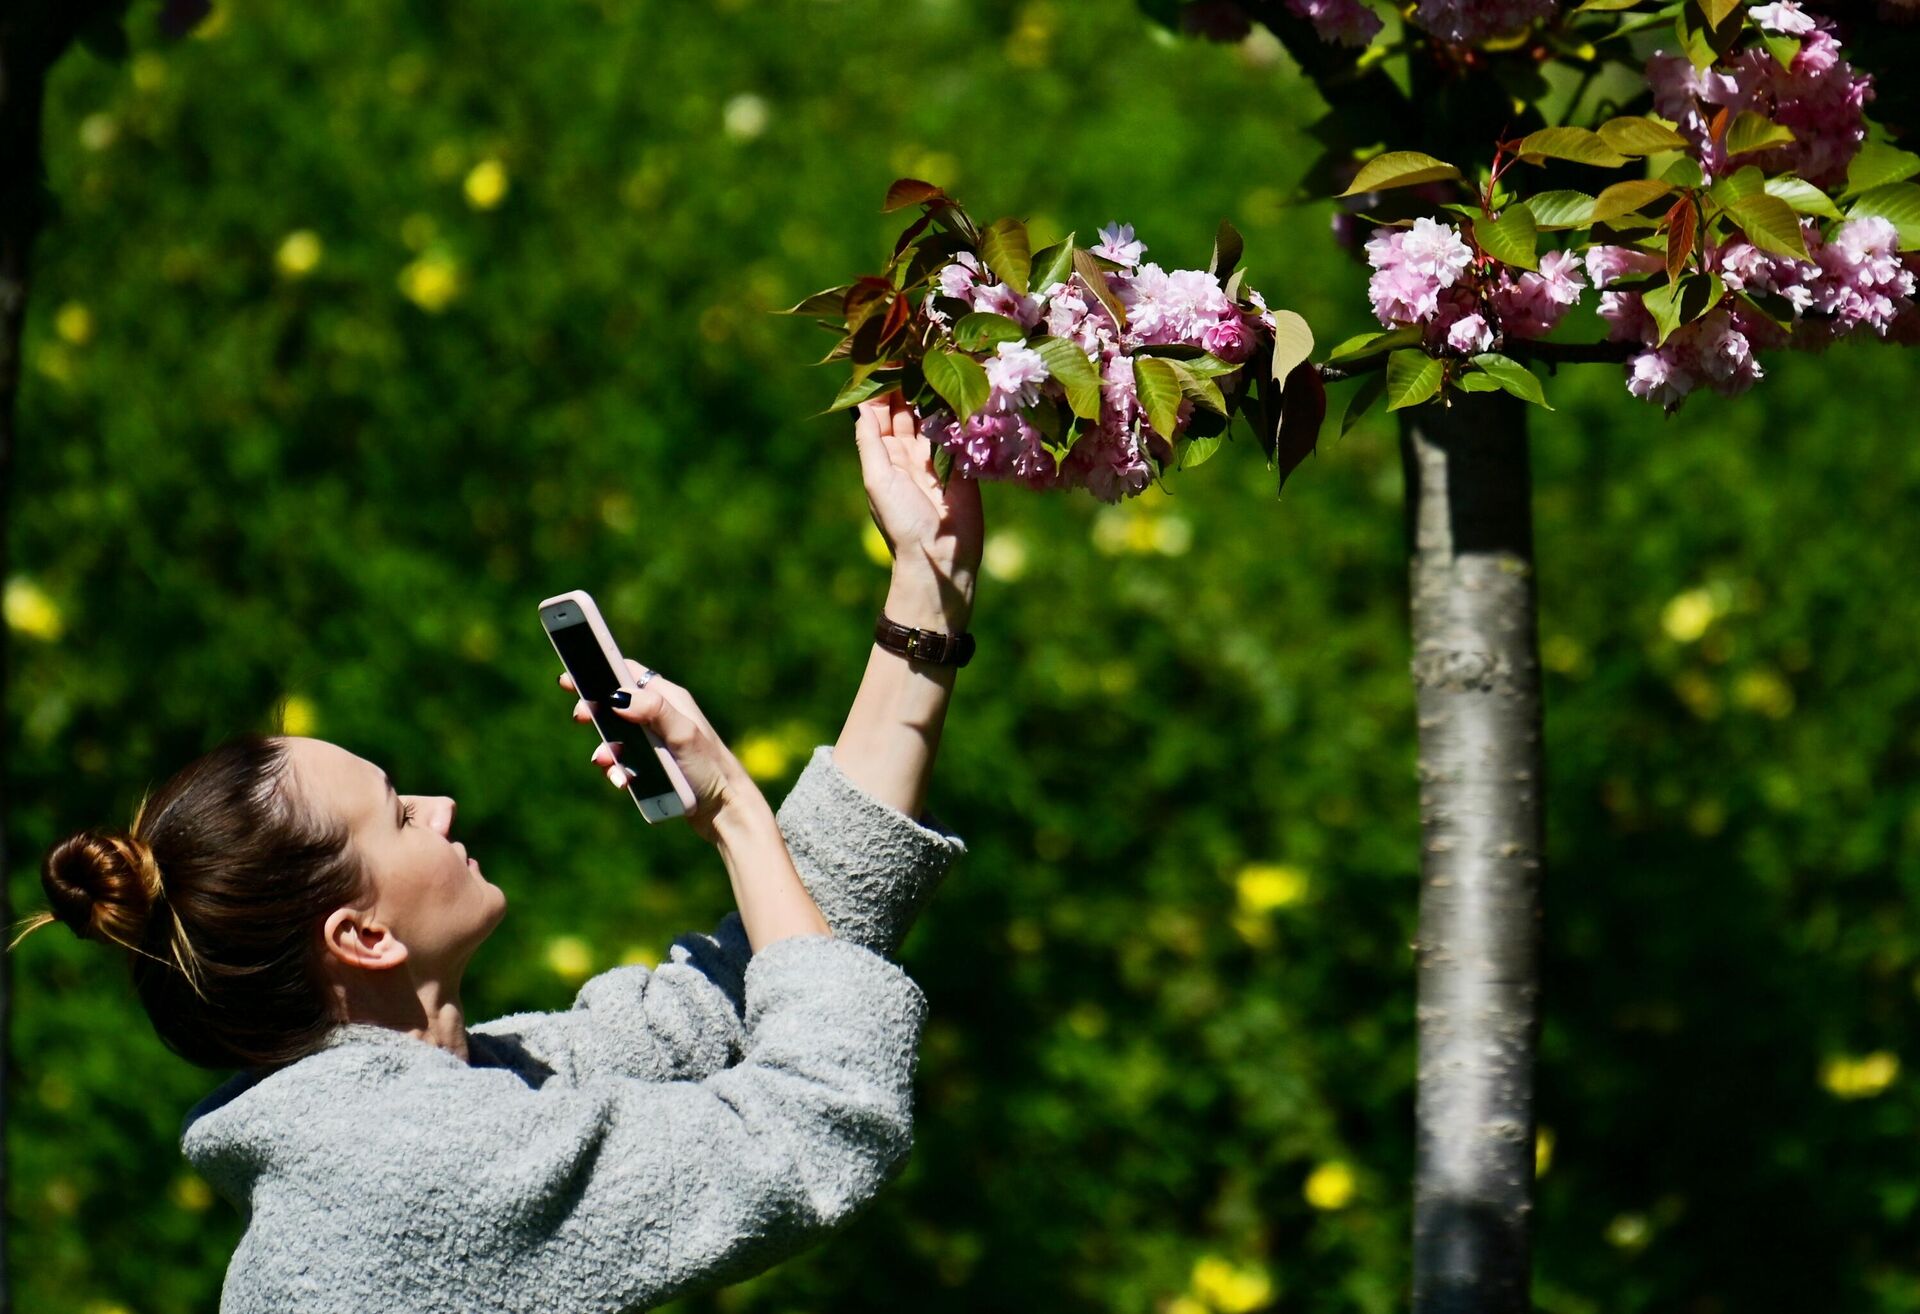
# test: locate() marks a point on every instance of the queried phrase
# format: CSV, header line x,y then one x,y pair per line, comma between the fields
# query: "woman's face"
x,y
422,888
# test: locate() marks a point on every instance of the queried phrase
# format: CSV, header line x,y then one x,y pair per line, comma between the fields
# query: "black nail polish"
x,y
620,698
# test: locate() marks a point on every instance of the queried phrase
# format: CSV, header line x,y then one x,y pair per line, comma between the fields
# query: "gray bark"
x,y
1477,686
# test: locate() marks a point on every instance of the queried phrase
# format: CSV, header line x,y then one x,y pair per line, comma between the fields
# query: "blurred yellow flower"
x,y
1859,1078
1542,1151
1687,615
875,544
764,756
30,611
149,71
431,282
1629,1231
1266,886
191,1193
299,253
98,131
745,117
298,716
486,184
1130,530
1231,1288
1186,1305
1697,690
1330,1186
641,955
74,323
570,957
1764,690
1004,556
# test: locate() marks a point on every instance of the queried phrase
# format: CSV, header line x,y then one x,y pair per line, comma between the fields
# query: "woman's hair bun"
x,y
102,885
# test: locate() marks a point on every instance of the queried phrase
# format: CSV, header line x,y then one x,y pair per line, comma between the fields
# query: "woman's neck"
x,y
425,1009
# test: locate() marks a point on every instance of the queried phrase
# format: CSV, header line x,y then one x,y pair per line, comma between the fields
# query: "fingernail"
x,y
620,698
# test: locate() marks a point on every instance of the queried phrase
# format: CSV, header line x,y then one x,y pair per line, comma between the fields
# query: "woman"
x,y
288,913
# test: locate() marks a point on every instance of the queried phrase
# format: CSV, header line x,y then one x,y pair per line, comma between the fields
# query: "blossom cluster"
x,y
1819,97
1856,282
1427,276
1184,307
1466,22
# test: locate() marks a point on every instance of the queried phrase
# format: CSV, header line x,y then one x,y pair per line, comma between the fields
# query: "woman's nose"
x,y
443,815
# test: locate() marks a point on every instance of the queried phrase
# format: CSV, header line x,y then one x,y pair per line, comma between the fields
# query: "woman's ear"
x,y
355,939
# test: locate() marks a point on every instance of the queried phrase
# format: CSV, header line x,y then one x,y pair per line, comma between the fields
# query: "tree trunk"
x,y
1477,685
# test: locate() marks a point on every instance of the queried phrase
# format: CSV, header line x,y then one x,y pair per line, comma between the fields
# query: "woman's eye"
x,y
406,816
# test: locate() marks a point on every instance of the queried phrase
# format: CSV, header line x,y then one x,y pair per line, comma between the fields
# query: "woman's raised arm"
x,y
892,734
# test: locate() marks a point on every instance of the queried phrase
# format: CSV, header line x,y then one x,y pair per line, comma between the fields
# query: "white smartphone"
x,y
587,650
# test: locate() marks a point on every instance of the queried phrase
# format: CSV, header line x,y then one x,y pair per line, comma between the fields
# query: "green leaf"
x,y
1203,391
1897,203
1718,10
1511,375
1087,265
1785,48
1674,304
960,380
1770,224
1581,145
1054,264
832,301
1878,164
1003,245
1561,209
942,463
1292,342
1371,389
1803,196
1638,135
1756,132
1474,382
1078,375
859,388
1228,247
1208,366
1372,344
1399,169
1412,377
1512,239
1604,6
982,330
1200,450
1626,197
1158,386
1684,172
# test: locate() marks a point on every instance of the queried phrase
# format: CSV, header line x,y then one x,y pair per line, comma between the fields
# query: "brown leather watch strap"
x,y
923,645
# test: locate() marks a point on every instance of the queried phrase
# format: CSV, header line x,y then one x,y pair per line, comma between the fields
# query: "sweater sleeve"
x,y
621,1194
868,866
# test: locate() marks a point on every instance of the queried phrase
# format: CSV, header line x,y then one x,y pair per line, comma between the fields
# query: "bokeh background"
x,y
365,326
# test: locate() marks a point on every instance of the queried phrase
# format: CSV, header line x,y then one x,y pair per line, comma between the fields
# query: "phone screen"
x,y
595,681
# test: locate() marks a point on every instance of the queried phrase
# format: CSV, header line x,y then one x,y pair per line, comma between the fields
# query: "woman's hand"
x,y
719,783
934,533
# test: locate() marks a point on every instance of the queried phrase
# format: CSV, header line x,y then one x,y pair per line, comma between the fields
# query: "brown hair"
x,y
217,892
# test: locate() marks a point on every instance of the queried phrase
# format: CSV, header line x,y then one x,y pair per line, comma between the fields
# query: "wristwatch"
x,y
923,645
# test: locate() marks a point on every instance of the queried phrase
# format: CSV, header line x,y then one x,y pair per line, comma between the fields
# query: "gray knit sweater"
x,y
678,1128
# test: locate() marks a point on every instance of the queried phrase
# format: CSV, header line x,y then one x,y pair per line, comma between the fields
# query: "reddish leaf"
x,y
914,229
897,316
1302,407
910,191
1682,222
864,298
1717,126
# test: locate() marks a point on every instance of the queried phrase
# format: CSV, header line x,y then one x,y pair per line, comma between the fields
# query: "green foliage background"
x,y
238,486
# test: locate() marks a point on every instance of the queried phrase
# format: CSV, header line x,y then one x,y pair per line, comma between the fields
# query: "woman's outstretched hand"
x,y
934,533
718,781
